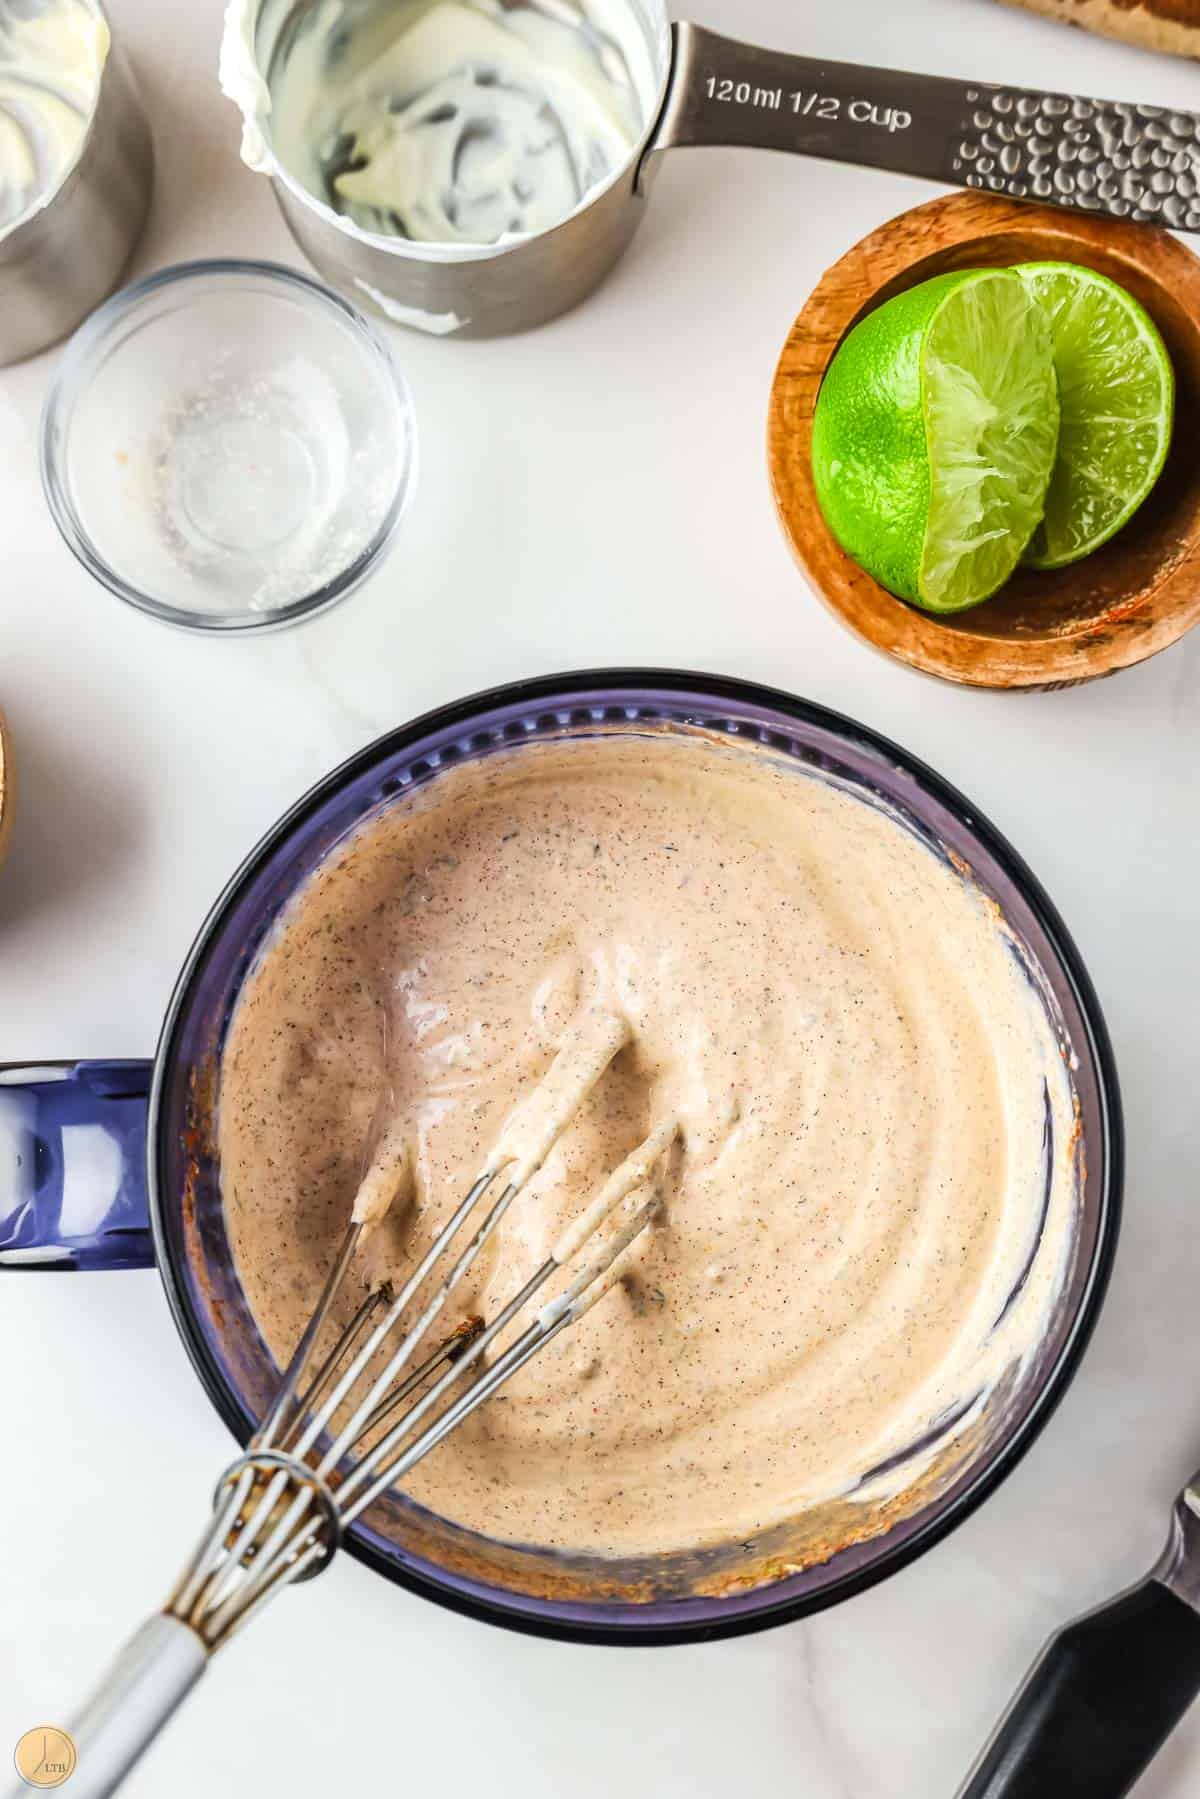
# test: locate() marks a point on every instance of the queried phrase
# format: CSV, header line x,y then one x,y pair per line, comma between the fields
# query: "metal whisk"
x,y
281,1508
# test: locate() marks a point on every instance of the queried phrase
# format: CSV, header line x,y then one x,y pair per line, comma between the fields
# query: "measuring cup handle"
x,y
723,92
1095,156
73,1165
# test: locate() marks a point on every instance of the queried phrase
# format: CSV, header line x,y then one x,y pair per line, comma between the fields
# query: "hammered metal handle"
x,y
1110,156
1098,156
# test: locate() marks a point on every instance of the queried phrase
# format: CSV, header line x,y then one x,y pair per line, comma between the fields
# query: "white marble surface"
x,y
594,493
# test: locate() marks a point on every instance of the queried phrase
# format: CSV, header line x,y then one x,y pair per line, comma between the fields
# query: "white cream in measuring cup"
x,y
52,55
446,121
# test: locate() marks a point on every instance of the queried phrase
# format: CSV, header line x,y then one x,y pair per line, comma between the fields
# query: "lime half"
x,y
1117,392
934,437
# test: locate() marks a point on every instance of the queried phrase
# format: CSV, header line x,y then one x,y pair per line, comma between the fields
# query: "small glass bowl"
x,y
228,446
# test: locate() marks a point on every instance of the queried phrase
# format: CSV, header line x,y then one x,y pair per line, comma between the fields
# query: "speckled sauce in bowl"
x,y
836,1542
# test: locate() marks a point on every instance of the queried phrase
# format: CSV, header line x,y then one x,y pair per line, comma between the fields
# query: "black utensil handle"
x,y
1100,156
1098,1704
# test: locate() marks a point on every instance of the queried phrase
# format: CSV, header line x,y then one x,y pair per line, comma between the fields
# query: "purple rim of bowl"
x,y
402,760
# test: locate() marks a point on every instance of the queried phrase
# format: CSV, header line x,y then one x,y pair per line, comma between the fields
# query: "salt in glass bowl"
x,y
228,446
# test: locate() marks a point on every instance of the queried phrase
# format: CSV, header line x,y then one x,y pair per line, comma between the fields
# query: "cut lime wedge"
x,y
935,434
1117,392
991,414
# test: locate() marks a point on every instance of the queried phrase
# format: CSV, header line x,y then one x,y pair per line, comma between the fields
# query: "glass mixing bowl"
x,y
167,1158
228,446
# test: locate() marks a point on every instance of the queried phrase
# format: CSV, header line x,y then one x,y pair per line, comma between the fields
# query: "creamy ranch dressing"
x,y
834,1022
447,122
52,55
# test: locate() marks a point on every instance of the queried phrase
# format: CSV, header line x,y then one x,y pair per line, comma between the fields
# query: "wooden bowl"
x,y
1045,629
7,787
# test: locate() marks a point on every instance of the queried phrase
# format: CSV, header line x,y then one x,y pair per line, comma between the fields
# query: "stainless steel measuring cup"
x,y
60,260
1129,161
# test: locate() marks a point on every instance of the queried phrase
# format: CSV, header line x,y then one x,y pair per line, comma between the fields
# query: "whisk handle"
x,y
149,1679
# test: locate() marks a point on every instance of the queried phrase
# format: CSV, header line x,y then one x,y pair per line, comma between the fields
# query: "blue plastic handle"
x,y
73,1165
